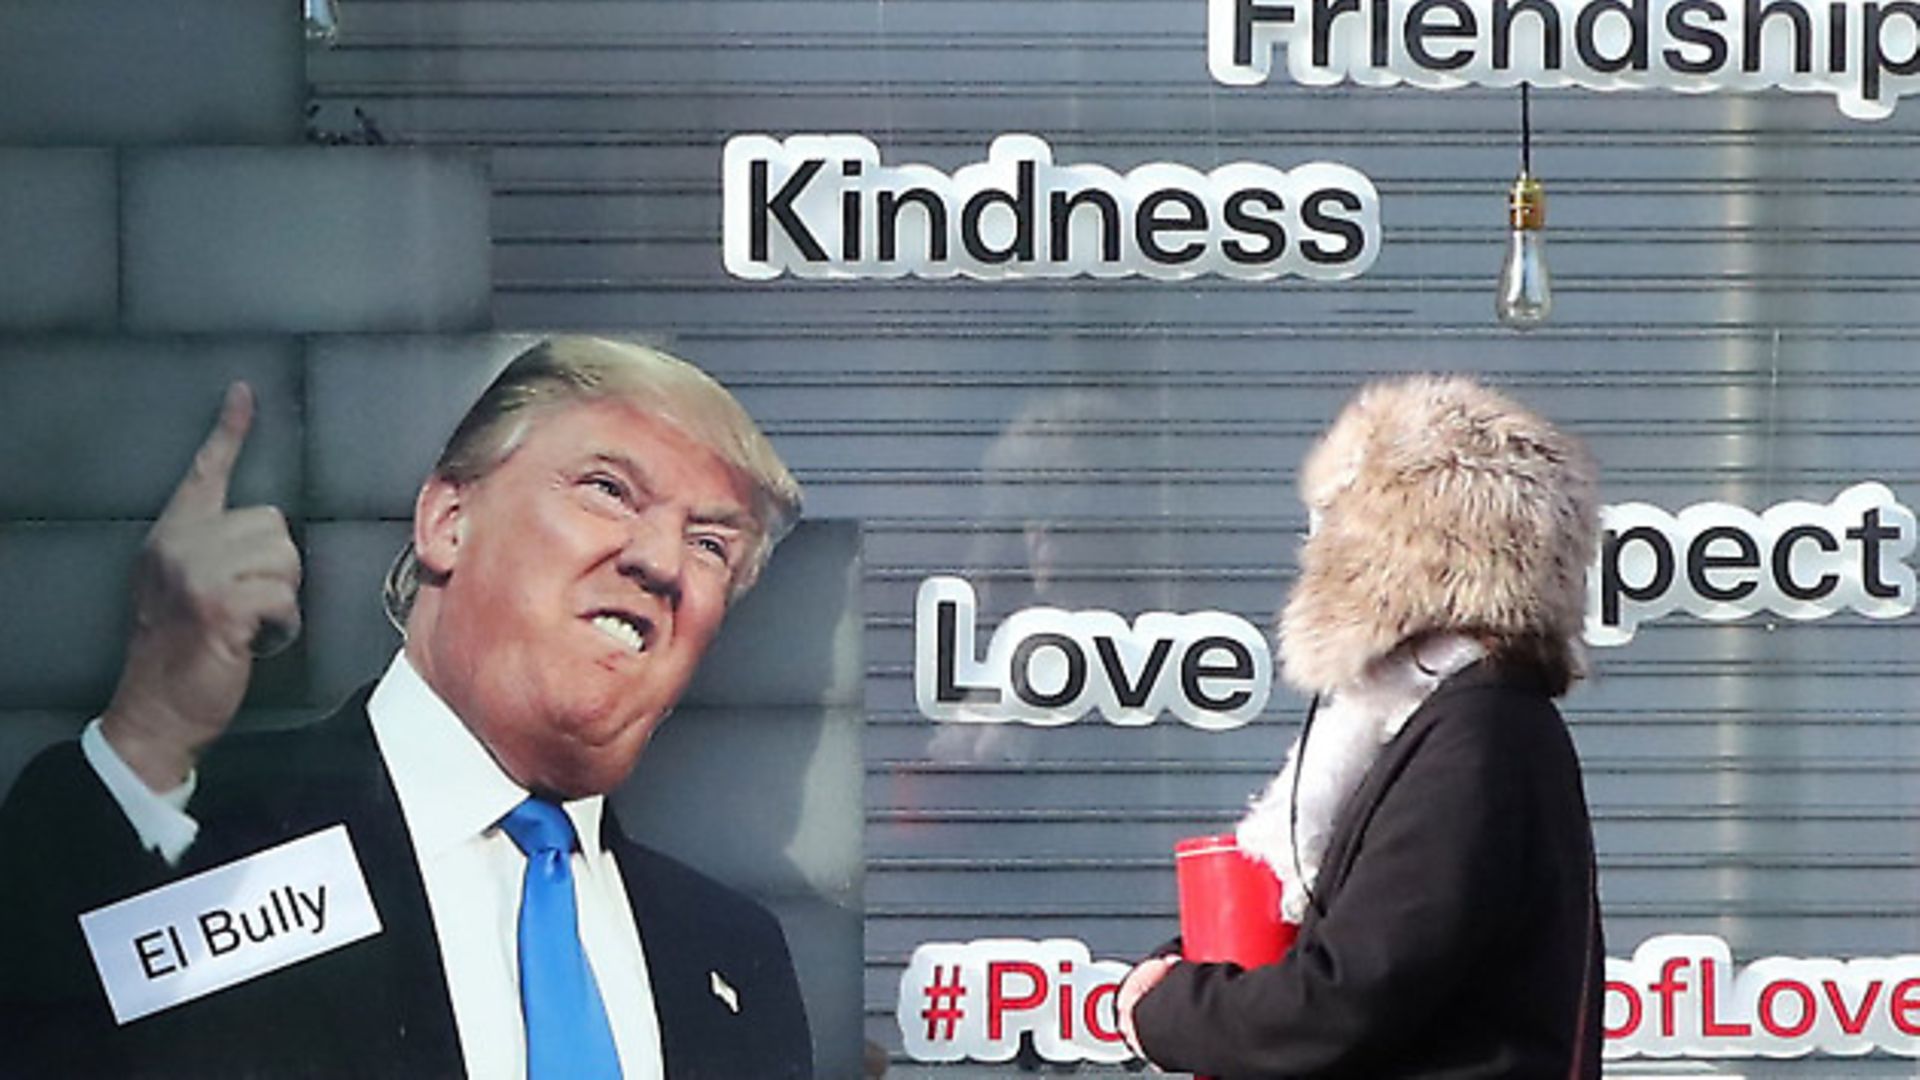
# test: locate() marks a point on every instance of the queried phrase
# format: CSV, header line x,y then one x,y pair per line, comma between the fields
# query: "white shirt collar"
x,y
450,787
1395,686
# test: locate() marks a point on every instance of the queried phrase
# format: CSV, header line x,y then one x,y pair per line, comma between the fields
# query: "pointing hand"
x,y
211,585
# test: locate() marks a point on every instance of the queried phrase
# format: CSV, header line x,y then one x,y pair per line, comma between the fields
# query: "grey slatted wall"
x,y
1738,308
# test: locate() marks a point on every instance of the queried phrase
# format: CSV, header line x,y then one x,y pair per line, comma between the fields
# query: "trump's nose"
x,y
655,554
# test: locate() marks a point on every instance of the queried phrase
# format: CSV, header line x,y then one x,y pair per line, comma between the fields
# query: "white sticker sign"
x,y
188,938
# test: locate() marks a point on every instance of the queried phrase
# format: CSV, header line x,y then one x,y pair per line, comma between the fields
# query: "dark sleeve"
x,y
1431,884
65,848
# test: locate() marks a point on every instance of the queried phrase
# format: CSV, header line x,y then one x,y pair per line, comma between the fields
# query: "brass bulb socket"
x,y
1527,204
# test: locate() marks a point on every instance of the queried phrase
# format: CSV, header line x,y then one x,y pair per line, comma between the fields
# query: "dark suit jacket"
x,y
1455,932
378,1007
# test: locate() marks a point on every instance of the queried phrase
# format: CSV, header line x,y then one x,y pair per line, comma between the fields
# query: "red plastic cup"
x,y
1229,904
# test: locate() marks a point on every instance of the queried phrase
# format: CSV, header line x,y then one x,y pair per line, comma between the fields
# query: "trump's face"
x,y
575,588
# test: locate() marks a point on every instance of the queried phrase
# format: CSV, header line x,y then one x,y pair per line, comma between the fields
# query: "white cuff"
x,y
158,817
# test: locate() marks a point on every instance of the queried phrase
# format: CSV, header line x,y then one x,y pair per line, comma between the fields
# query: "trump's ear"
x,y
439,524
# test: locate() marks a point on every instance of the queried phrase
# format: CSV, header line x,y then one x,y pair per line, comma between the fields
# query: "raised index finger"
x,y
203,491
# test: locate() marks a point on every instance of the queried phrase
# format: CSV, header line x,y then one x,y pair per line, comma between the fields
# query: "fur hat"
x,y
1440,505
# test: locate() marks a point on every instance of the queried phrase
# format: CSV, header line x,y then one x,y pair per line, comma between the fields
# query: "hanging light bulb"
x,y
1525,295
322,20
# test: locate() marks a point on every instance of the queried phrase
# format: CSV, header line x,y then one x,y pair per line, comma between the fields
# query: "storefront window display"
x,y
1043,304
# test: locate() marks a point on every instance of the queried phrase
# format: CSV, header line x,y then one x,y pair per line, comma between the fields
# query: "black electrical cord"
x,y
1293,808
1526,131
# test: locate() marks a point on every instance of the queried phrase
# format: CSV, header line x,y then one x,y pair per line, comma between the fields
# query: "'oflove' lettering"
x,y
1681,994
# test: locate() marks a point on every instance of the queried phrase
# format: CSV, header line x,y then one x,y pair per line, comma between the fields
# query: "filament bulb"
x,y
1525,297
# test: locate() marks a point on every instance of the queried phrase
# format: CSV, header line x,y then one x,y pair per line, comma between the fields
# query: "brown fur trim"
x,y
1443,506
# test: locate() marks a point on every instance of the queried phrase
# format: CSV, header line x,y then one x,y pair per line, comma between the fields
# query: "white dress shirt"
x,y
452,795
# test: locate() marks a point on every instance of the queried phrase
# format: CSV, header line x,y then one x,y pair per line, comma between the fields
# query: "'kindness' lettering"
x,y
824,206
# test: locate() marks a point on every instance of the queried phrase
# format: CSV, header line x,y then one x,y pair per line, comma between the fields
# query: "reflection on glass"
x,y
322,21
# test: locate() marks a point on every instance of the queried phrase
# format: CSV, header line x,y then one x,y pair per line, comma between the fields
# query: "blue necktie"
x,y
567,1032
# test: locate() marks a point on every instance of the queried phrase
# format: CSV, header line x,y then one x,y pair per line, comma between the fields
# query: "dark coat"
x,y
377,1007
1454,930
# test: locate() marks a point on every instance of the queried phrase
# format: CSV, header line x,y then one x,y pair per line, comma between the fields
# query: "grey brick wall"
x,y
127,72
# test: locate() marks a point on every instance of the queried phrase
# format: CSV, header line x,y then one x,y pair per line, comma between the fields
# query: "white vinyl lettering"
x,y
823,206
978,999
1046,666
1682,996
1799,560
1864,52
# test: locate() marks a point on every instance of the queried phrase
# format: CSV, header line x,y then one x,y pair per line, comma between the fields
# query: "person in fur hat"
x,y
1429,829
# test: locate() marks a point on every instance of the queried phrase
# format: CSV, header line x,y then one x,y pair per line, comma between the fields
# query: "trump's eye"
x,y
608,485
714,547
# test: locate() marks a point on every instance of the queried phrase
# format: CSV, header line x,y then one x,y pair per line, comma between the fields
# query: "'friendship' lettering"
x,y
1864,52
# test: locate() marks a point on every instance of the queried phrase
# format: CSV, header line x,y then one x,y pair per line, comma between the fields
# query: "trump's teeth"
x,y
620,630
